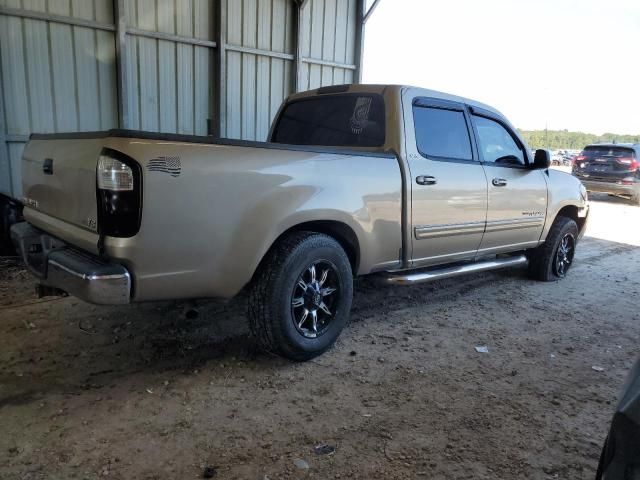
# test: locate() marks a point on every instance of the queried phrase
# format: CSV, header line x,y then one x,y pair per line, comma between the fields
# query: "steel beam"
x,y
298,28
359,45
259,51
121,63
50,17
170,37
4,141
370,11
329,63
220,74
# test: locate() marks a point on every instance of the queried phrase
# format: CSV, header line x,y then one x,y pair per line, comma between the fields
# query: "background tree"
x,y
565,140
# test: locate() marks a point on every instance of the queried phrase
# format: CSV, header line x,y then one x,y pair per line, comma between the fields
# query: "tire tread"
x,y
540,258
263,323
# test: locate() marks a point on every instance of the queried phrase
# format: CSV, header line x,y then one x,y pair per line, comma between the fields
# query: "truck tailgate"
x,y
59,182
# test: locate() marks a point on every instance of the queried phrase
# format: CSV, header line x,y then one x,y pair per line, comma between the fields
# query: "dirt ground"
x,y
142,392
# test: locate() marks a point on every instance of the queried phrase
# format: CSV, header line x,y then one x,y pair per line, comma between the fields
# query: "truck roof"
x,y
382,88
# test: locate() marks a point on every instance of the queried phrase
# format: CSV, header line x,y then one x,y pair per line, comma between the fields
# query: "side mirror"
x,y
542,159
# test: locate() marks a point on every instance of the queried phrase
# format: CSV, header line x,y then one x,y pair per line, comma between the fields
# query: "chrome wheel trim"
x,y
564,255
314,299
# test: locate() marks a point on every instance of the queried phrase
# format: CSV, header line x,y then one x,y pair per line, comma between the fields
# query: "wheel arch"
x,y
571,211
339,231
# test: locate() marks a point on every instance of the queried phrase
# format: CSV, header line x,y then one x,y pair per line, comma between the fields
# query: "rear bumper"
x,y
78,273
611,187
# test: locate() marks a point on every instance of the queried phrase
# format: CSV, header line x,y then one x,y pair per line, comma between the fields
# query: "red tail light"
x,y
632,162
119,194
577,159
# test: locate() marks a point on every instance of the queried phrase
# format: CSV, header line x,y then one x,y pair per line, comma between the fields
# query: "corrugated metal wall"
x,y
259,55
55,76
163,65
328,43
169,84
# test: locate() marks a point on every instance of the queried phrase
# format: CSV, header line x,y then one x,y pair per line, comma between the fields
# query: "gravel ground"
x,y
143,392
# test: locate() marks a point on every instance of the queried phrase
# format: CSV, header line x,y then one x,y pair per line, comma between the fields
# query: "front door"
x,y
517,194
448,184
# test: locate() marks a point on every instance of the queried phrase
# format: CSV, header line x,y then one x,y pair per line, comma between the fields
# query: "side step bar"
x,y
424,276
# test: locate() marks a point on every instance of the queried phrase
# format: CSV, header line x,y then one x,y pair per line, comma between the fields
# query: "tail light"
x,y
632,162
119,191
577,161
114,175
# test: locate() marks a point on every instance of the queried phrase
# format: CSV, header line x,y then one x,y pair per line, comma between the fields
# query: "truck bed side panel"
x,y
204,231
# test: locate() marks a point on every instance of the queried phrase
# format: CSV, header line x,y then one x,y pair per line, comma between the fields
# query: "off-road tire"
x,y
542,258
270,313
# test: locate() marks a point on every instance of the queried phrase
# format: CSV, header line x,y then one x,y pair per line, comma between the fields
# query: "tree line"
x,y
566,140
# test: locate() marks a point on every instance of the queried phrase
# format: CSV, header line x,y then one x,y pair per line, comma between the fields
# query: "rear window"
x,y
441,133
615,152
347,120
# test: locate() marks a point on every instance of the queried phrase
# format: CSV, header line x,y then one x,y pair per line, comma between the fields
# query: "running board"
x,y
424,276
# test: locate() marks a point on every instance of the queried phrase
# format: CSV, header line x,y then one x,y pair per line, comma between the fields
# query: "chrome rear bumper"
x,y
80,274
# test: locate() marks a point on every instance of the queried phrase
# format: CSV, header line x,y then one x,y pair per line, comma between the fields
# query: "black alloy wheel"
x,y
564,255
314,296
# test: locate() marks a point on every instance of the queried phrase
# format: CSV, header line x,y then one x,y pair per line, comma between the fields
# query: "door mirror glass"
x,y
542,159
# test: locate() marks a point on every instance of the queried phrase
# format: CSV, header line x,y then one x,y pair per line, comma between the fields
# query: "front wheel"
x,y
551,260
301,297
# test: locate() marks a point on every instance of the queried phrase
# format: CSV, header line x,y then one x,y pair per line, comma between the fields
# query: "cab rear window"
x,y
345,120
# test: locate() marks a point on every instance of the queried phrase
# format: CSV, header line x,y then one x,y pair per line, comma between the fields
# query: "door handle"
x,y
499,182
47,166
426,180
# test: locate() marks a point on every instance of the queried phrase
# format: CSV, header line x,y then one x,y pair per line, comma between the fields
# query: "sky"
x,y
561,64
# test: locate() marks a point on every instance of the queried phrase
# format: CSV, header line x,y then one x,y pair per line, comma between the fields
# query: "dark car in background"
x,y
610,168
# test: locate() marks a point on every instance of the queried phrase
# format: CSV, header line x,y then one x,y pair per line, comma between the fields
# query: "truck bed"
x,y
211,208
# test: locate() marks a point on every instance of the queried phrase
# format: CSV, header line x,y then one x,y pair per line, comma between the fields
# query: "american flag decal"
x,y
170,165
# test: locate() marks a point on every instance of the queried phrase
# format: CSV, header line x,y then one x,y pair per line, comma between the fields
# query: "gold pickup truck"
x,y
406,183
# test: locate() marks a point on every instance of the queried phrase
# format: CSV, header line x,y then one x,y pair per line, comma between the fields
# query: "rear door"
x,y
517,195
448,184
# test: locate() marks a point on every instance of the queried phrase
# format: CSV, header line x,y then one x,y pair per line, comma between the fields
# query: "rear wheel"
x,y
552,260
301,297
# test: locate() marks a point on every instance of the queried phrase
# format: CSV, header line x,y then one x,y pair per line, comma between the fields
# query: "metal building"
x,y
219,67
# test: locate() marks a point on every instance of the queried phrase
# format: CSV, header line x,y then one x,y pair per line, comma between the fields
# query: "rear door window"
x,y
346,120
441,133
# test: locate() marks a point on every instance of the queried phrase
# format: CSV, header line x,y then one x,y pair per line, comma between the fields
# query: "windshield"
x,y
616,152
346,120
